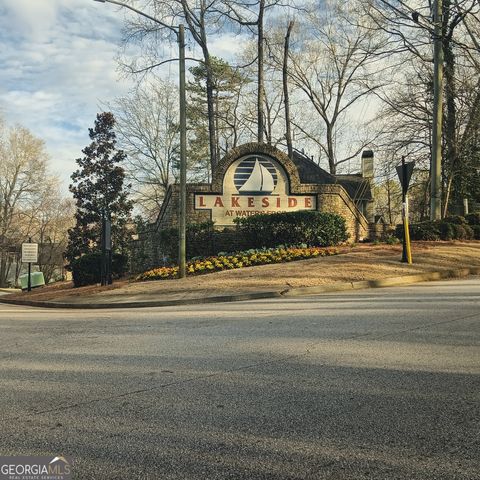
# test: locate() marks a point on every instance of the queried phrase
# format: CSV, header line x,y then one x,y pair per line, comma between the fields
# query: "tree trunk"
x,y
260,77
18,268
389,202
288,132
217,126
330,150
210,111
268,123
426,191
3,269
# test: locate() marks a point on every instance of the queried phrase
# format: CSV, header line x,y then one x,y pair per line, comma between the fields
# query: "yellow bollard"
x,y
408,247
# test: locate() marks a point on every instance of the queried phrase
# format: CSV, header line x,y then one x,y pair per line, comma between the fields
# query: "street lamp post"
x,y
182,211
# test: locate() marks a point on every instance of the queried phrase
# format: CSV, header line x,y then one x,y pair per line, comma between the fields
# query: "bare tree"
x,y
50,218
23,162
273,110
252,15
202,18
148,131
409,27
335,63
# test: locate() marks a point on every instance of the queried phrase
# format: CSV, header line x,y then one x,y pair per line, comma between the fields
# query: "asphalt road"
x,y
374,384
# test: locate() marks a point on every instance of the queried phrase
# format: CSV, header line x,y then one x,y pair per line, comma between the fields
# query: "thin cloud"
x,y
58,64
59,68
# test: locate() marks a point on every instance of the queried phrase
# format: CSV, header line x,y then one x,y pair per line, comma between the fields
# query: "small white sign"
x,y
29,252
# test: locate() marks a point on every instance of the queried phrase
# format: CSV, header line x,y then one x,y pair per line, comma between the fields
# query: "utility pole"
x,y
436,166
260,73
183,160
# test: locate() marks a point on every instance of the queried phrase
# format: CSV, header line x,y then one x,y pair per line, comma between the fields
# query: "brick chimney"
x,y
367,174
367,164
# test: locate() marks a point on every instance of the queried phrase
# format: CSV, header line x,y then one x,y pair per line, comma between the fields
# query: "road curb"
x,y
293,292
386,282
160,303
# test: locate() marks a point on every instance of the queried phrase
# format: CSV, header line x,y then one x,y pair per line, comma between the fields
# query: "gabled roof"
x,y
309,172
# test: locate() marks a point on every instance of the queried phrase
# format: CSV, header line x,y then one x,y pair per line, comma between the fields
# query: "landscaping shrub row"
x,y
265,232
449,228
308,227
238,260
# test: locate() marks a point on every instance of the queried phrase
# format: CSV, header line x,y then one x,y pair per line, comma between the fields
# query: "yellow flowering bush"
x,y
238,260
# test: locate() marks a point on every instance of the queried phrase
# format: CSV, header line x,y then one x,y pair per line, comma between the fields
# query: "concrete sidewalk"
x,y
365,267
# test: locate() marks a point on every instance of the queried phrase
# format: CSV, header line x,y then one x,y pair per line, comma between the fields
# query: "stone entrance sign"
x,y
253,184
255,178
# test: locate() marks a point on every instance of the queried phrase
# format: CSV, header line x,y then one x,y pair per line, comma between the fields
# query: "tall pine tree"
x,y
98,188
227,83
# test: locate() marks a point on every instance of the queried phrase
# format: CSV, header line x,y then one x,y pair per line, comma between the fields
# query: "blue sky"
x,y
57,65
58,68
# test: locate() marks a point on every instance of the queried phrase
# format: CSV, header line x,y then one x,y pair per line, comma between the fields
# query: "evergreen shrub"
x,y
473,218
476,231
420,231
305,227
86,270
198,239
470,232
456,220
449,228
465,232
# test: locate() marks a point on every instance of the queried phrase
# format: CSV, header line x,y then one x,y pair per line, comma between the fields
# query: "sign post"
x,y
29,255
404,172
106,272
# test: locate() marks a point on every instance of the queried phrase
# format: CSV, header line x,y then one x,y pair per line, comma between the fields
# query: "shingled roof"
x,y
309,172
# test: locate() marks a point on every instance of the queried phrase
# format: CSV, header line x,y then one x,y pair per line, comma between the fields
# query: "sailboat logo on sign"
x,y
255,176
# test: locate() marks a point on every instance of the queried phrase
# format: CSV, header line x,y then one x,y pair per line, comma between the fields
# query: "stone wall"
x,y
168,216
380,231
334,199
